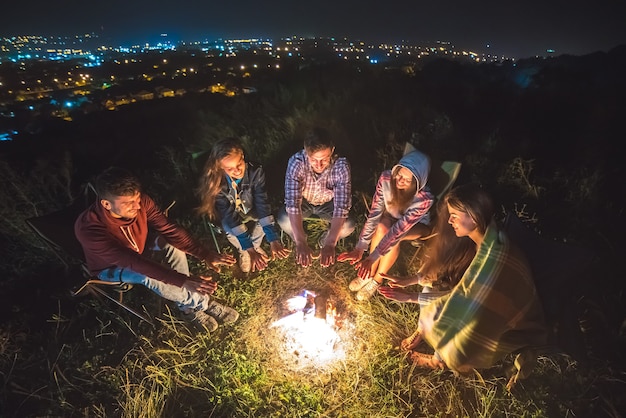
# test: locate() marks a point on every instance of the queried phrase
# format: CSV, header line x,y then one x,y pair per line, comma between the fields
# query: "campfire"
x,y
312,330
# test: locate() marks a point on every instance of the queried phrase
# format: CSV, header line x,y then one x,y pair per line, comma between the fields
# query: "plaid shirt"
x,y
302,182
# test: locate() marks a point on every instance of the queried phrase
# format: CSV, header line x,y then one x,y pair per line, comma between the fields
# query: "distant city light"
x,y
143,62
7,136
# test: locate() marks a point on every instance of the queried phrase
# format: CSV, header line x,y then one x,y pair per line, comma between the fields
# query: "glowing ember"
x,y
310,331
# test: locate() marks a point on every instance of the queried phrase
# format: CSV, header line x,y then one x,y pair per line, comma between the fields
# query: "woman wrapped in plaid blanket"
x,y
494,309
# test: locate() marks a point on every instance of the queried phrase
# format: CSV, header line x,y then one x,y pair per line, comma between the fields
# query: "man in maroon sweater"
x,y
113,232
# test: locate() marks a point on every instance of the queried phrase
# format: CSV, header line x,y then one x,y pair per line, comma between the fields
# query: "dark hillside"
x,y
545,136
564,118
562,115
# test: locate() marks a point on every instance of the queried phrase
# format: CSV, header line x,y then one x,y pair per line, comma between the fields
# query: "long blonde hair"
x,y
213,175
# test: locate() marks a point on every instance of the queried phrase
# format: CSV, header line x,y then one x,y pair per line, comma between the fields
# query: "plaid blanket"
x,y
493,311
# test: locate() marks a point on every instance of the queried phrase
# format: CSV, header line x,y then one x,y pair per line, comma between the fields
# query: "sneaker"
x,y
244,261
222,313
357,283
201,318
368,290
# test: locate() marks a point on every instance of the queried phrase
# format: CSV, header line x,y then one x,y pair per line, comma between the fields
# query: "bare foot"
x,y
409,343
427,361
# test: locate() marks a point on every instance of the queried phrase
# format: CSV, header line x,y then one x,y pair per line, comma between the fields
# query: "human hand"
x,y
258,261
364,267
397,294
304,254
352,256
278,251
396,281
327,255
217,259
200,284
425,281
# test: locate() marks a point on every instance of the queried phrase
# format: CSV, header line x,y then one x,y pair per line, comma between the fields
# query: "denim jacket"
x,y
254,205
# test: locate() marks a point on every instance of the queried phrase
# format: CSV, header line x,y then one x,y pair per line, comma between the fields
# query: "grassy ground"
x,y
89,359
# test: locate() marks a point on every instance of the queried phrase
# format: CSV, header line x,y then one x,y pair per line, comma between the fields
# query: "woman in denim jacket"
x,y
232,192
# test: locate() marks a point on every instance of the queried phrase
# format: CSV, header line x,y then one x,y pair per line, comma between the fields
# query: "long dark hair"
x,y
213,175
448,256
474,201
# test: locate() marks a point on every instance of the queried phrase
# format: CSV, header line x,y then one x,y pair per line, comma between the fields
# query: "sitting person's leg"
x,y
347,228
244,258
256,234
368,286
412,341
384,263
199,307
172,256
418,231
387,261
176,259
325,212
231,236
282,218
183,298
430,361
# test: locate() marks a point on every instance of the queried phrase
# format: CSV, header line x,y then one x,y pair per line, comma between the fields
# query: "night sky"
x,y
512,28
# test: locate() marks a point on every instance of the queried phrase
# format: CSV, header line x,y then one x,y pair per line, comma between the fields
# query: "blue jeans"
x,y
177,260
308,210
254,229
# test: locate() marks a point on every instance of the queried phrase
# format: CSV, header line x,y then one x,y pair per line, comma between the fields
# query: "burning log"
x,y
320,306
310,330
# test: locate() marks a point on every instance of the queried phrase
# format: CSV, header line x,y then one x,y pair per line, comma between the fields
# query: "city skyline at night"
x,y
514,30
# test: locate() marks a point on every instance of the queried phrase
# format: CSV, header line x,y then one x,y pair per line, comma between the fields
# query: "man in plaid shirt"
x,y
317,183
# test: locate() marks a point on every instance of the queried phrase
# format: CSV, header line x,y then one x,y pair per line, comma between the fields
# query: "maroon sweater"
x,y
109,242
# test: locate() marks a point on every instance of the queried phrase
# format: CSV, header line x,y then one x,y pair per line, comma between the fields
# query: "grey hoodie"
x,y
417,212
